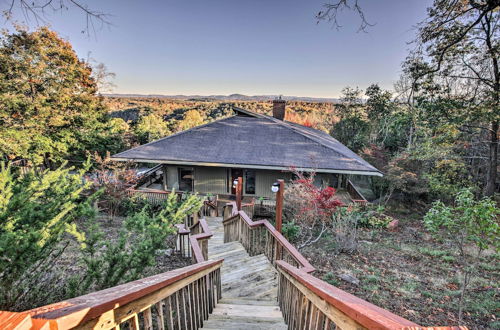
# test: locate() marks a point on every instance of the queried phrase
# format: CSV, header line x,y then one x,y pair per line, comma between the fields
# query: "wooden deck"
x,y
249,286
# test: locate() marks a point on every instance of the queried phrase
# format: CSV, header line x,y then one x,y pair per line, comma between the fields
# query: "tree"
x,y
36,210
192,118
331,10
49,109
37,10
468,222
458,45
352,129
311,207
151,127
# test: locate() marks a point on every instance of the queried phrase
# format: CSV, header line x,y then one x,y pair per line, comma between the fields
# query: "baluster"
x,y
133,323
178,315
189,306
159,315
148,319
170,309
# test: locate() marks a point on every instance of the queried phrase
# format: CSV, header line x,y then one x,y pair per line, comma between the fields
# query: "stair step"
x,y
249,287
272,312
247,301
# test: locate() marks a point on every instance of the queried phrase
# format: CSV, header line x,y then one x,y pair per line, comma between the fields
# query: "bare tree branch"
x,y
37,10
331,11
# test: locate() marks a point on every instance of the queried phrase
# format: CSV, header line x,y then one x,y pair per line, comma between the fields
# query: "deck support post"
x,y
279,204
239,193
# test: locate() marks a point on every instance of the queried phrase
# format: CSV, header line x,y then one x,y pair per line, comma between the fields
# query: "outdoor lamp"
x,y
275,187
235,183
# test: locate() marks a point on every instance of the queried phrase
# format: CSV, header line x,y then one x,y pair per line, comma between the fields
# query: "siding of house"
x,y
215,180
210,180
265,179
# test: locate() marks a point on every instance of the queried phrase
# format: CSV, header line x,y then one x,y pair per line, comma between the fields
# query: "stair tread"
x,y
249,286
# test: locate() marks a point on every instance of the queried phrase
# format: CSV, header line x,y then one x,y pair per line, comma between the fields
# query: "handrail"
x,y
357,310
358,196
124,303
306,301
283,242
198,247
200,251
144,176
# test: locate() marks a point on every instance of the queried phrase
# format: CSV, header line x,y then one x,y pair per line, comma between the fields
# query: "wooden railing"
x,y
355,194
147,176
152,195
310,303
260,237
179,299
193,241
209,208
306,301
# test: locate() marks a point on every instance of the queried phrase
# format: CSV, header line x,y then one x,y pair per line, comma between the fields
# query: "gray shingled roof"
x,y
253,141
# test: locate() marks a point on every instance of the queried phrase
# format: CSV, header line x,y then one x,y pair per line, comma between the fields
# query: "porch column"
x,y
164,182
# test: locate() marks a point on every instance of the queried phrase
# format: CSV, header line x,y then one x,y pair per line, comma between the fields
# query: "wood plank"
x,y
148,319
159,315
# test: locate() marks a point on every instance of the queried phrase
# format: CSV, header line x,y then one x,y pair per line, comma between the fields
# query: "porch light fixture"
x,y
275,187
235,183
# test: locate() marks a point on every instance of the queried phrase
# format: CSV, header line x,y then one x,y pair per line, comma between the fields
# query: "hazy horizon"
x,y
225,47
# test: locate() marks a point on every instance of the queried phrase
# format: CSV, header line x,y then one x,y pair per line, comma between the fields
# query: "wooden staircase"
x,y
256,280
249,286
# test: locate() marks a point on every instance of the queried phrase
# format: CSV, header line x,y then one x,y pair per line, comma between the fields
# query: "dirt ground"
x,y
413,275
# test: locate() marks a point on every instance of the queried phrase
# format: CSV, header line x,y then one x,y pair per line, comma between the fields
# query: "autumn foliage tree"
x,y
49,107
310,206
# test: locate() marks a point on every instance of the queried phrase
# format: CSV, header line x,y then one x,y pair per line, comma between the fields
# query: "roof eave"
x,y
252,166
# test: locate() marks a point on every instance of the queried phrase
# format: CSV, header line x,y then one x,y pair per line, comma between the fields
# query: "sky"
x,y
252,47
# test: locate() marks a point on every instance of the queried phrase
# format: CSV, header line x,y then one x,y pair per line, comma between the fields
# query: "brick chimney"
x,y
279,108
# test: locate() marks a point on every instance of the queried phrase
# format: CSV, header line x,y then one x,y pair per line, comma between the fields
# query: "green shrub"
x,y
142,236
467,222
290,230
374,217
36,211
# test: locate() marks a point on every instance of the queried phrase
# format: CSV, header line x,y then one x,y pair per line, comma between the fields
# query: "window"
x,y
186,179
249,182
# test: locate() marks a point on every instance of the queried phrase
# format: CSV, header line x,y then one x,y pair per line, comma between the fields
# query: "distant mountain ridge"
x,y
233,97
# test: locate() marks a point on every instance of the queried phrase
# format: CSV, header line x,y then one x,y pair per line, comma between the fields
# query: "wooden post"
x,y
279,204
164,168
239,193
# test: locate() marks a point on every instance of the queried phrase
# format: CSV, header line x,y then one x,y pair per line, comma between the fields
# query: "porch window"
x,y
250,182
186,179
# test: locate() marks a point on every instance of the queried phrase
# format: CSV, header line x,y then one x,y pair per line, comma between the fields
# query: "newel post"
x,y
239,192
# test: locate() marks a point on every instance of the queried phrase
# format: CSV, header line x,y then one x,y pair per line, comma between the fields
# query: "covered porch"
x,y
216,185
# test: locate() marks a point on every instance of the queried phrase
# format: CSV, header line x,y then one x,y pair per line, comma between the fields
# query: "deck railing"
x,y
260,237
148,176
209,208
306,301
179,299
152,195
356,196
192,241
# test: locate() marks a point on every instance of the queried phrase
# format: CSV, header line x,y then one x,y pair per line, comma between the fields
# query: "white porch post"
x,y
164,168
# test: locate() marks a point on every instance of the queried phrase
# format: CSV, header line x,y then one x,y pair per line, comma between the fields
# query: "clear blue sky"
x,y
249,47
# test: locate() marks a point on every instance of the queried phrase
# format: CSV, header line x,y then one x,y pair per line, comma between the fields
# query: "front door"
x,y
235,174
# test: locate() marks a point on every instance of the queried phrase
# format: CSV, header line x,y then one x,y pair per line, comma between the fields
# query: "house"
x,y
259,148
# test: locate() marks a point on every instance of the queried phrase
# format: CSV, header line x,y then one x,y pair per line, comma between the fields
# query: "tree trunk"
x,y
489,189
